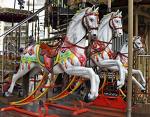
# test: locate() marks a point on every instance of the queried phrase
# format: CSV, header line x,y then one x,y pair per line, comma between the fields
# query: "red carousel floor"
x,y
139,111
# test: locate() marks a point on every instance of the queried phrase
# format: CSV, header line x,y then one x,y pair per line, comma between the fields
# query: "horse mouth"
x,y
94,37
141,51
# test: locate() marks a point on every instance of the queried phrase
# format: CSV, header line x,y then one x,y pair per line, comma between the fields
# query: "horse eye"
x,y
117,21
91,19
138,43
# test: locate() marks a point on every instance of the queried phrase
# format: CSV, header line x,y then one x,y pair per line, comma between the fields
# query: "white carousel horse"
x,y
103,47
70,57
122,55
101,52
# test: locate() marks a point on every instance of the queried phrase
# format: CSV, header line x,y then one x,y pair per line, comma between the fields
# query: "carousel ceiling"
x,y
120,3
14,15
114,2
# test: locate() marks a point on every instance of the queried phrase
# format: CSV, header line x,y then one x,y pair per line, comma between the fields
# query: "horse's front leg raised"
x,y
86,73
110,63
140,75
23,69
138,84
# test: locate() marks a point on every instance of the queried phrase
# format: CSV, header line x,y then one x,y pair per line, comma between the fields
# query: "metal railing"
x,y
14,28
24,21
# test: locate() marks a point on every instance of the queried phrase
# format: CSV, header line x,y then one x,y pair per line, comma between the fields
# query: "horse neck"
x,y
124,49
75,35
105,34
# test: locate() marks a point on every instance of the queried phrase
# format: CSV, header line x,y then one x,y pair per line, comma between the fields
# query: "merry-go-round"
x,y
86,58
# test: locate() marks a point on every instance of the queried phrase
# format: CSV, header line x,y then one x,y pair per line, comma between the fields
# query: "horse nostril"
x,y
94,35
120,33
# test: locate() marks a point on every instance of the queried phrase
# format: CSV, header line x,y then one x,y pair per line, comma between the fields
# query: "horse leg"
x,y
97,83
15,77
33,72
86,73
133,78
110,63
138,84
138,72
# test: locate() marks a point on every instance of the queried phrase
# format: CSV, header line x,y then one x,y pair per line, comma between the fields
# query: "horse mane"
x,y
105,19
76,18
74,23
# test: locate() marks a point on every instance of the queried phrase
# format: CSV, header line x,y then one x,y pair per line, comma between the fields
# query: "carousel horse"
x,y
69,57
122,55
101,49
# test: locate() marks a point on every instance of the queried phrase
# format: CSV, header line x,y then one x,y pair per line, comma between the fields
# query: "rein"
x,y
74,45
121,54
101,43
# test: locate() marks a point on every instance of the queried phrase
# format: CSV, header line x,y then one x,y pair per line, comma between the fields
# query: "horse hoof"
x,y
41,103
6,94
20,93
143,91
86,98
41,90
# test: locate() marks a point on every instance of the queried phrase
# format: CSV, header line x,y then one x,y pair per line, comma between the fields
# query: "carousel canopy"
x,y
119,3
14,15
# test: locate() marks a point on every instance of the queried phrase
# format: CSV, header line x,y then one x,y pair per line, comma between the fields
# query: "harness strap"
x,y
74,45
113,25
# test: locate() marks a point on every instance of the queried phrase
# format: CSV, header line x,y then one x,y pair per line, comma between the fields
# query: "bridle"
x,y
111,21
85,22
137,47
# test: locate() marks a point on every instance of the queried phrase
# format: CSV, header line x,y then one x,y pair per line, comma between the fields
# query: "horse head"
x,y
90,21
138,45
83,23
115,23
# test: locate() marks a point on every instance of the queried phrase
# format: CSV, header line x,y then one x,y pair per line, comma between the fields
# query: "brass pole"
x,y
136,23
130,60
109,6
33,22
83,3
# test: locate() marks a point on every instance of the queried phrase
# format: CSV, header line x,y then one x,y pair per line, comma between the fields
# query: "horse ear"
x,y
89,10
93,7
117,12
96,10
120,14
139,37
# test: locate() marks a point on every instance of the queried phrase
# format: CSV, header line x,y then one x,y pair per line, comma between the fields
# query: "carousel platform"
x,y
138,111
59,112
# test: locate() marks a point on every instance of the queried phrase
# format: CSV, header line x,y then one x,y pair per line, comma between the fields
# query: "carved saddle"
x,y
48,50
48,53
